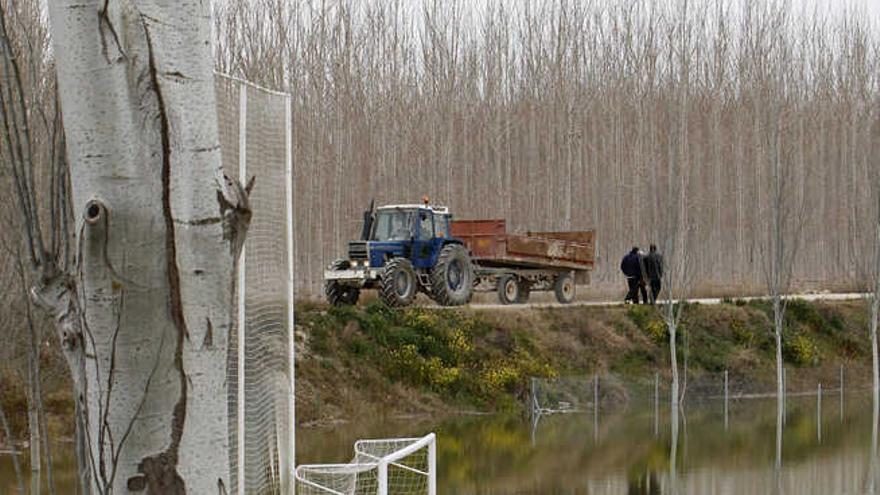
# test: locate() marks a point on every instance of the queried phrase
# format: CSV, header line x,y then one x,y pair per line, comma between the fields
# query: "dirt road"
x,y
711,300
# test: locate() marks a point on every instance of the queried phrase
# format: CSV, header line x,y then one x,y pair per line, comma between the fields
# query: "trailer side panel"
x,y
490,244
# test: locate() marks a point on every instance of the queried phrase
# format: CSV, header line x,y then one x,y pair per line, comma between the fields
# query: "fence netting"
x,y
255,139
610,391
399,466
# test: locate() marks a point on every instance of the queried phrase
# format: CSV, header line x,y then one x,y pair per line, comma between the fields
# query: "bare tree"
x,y
549,113
784,213
30,152
140,298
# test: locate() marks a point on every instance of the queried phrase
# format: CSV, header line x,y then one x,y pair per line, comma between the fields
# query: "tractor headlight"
x,y
354,263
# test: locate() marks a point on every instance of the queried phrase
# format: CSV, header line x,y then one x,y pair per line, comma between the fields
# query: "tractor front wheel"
x,y
452,278
339,294
398,283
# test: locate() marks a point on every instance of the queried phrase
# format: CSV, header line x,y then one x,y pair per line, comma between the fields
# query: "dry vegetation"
x,y
565,114
553,114
364,361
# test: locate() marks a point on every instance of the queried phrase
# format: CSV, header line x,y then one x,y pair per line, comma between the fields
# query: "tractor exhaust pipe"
x,y
368,222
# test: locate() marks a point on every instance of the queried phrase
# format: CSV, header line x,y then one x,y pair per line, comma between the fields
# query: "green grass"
x,y
441,351
484,360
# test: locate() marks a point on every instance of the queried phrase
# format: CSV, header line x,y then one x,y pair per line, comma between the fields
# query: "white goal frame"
x,y
381,464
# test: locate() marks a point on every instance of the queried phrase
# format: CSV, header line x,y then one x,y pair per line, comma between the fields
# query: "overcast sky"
x,y
871,7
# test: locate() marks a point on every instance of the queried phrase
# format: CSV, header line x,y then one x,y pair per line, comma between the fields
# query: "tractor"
x,y
404,249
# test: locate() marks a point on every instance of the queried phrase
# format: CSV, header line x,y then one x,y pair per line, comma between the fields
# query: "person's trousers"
x,y
655,290
633,294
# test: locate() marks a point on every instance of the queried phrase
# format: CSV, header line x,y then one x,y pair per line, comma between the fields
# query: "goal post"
x,y
401,466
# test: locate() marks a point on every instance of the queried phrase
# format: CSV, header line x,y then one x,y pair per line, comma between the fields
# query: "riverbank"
x,y
369,360
372,360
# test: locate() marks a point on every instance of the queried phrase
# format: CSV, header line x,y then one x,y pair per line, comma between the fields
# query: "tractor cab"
x,y
403,249
413,231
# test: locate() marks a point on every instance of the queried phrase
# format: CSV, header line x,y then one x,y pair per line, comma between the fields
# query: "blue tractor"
x,y
403,249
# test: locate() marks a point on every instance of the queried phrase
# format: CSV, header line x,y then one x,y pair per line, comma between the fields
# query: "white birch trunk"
x,y
145,317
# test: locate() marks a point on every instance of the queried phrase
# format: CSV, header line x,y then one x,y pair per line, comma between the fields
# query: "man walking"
x,y
654,271
631,266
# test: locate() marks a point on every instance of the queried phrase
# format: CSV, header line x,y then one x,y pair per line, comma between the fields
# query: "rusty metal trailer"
x,y
515,265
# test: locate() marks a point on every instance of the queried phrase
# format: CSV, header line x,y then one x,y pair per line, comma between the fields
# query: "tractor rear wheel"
x,y
339,294
398,285
452,278
509,289
564,288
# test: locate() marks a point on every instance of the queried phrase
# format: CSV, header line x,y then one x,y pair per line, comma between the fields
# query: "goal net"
x,y
400,466
255,141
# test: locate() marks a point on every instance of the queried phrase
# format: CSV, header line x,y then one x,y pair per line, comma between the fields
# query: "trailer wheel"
x,y
509,289
398,283
338,294
452,278
564,288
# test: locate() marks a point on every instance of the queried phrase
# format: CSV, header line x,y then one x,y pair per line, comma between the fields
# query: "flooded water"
x,y
627,451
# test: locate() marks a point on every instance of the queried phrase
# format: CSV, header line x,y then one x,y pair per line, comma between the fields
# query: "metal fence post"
x,y
656,403
842,395
596,407
784,392
819,412
726,395
242,324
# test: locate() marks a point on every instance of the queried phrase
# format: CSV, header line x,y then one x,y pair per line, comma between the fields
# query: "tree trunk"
x,y
780,382
145,316
778,321
875,364
33,396
672,324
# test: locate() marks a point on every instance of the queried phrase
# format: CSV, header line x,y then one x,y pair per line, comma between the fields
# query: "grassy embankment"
x,y
354,361
372,360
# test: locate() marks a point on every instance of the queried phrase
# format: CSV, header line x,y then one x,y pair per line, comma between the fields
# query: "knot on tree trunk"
x,y
235,208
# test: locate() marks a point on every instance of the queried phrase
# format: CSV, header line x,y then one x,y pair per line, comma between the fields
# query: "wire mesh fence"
x,y
255,139
608,391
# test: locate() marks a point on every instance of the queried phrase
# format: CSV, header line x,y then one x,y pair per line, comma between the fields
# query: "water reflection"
x,y
765,448
871,479
633,450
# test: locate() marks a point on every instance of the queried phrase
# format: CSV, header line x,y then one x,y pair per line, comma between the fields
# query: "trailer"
x,y
409,248
514,265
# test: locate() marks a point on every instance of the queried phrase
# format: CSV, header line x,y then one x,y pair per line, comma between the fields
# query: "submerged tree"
x,y
783,178
142,309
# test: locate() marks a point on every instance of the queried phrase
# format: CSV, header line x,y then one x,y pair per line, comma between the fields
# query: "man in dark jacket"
x,y
654,271
631,266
